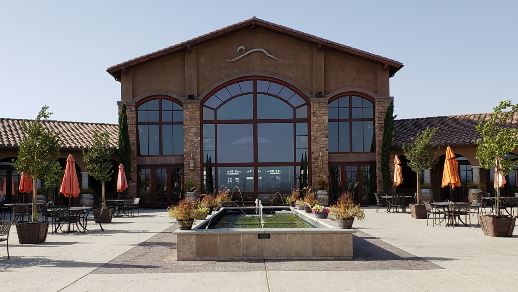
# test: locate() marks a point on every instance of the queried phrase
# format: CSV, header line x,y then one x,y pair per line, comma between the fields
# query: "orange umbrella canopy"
x,y
398,172
70,184
450,175
499,179
122,183
25,185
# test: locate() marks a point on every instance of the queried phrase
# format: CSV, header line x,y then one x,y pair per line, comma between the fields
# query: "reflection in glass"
x,y
275,142
269,107
235,143
239,108
242,177
276,179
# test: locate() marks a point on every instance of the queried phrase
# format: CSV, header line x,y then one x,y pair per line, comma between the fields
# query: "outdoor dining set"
x,y
449,212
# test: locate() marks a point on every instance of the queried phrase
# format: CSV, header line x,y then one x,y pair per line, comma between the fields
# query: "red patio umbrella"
x,y
398,172
70,185
122,183
25,185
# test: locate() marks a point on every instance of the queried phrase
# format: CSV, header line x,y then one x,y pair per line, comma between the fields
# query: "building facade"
x,y
251,103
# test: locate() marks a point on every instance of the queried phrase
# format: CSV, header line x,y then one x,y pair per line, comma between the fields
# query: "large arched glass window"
x,y
160,127
351,124
255,135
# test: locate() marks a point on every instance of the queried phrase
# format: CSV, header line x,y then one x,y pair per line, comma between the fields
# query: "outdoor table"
x,y
118,205
506,203
10,206
449,209
389,199
75,215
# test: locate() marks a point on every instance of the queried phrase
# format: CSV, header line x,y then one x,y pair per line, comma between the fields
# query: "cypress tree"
x,y
386,148
123,142
209,184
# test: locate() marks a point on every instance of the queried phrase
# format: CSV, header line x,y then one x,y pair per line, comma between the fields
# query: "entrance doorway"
x,y
159,186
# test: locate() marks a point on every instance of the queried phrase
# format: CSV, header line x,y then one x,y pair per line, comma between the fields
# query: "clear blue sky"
x,y
459,56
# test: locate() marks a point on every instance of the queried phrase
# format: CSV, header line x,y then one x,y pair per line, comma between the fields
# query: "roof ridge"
x,y
60,121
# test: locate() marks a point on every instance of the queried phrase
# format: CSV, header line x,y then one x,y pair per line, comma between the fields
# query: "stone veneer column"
x,y
132,133
192,146
319,140
382,103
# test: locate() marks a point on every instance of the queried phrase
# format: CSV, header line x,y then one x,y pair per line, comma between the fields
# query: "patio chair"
x,y
476,206
135,205
458,210
5,227
433,212
399,201
380,202
127,206
20,211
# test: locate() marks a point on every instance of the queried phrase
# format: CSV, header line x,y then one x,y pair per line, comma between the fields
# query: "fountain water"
x,y
259,211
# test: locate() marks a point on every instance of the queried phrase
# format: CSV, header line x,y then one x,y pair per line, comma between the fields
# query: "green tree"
x,y
420,155
386,148
52,178
497,140
98,163
38,151
123,142
209,184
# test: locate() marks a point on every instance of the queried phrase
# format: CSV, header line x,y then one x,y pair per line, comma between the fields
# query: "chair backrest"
x,y
376,195
136,201
5,227
20,209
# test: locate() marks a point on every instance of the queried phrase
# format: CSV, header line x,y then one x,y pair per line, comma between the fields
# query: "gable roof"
x,y
253,22
451,130
72,135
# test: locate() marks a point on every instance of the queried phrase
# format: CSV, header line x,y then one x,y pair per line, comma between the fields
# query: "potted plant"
x,y
300,204
474,188
420,157
497,140
208,201
322,194
99,166
36,157
426,192
184,213
293,197
310,199
320,211
200,213
190,189
223,198
345,211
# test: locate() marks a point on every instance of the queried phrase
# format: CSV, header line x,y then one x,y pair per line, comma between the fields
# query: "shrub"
x,y
346,209
185,210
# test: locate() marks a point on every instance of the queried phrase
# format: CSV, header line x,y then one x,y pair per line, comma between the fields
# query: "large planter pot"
x,y
323,197
472,194
498,226
418,211
321,215
308,209
103,216
345,223
185,224
426,195
32,232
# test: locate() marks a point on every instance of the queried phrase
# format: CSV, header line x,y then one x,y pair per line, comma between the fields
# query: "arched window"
x,y
160,127
351,124
255,135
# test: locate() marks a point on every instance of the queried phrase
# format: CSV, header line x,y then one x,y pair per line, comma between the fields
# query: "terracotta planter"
x,y
32,232
418,211
498,226
345,223
292,204
185,224
307,208
103,215
321,215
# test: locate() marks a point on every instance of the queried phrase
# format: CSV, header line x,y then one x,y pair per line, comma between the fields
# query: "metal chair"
x,y
380,202
399,201
5,227
20,211
432,212
135,205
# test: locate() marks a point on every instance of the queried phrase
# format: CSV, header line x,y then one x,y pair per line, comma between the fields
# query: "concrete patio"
x,y
392,253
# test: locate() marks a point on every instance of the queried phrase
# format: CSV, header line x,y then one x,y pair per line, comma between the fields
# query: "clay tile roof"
x,y
72,135
116,70
451,130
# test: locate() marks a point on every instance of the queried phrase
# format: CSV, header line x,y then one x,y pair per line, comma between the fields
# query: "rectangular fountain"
x,y
235,233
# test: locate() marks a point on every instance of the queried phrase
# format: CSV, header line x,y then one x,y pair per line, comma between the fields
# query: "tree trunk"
x,y
103,195
418,193
34,191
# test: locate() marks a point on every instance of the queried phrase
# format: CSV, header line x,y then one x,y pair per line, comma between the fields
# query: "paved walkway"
x,y
392,253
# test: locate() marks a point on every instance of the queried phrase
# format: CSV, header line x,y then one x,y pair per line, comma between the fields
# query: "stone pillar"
x,y
319,140
132,132
382,103
84,180
192,136
426,176
476,173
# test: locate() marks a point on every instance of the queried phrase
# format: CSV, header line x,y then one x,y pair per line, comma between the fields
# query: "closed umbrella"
x,y
122,183
499,179
398,172
70,185
450,174
25,185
